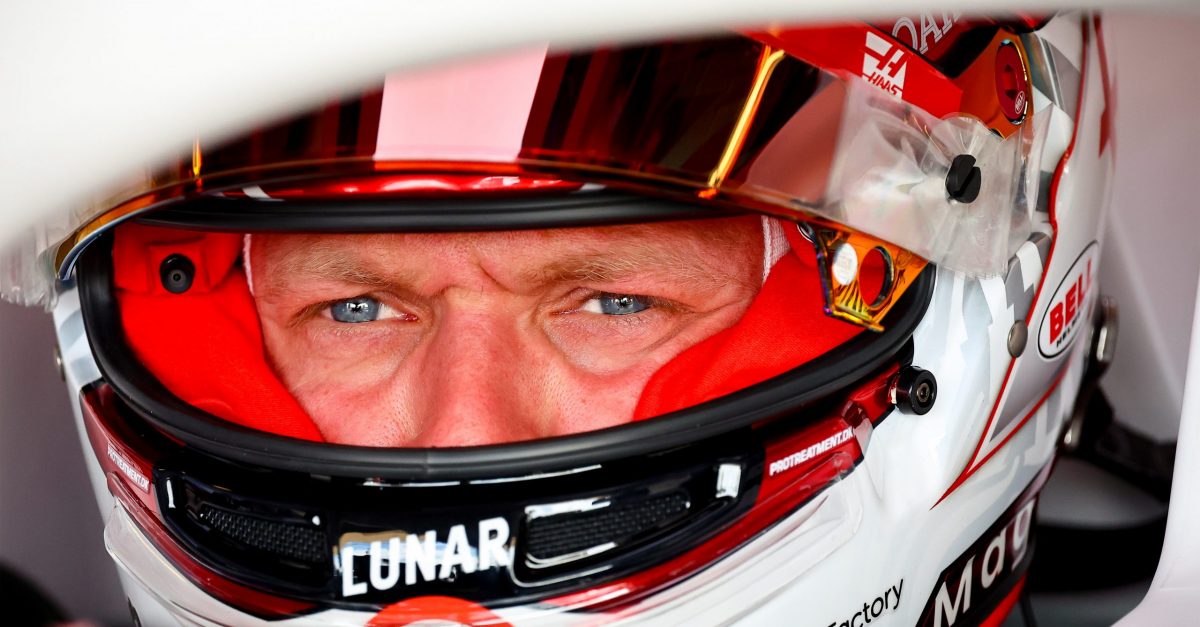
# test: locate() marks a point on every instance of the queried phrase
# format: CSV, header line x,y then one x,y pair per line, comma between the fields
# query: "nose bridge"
x,y
469,388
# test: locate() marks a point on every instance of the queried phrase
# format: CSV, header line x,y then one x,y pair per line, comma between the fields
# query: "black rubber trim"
x,y
588,207
778,397
1075,559
596,206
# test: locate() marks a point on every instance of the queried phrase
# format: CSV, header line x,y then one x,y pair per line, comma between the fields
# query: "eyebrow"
x,y
629,262
326,262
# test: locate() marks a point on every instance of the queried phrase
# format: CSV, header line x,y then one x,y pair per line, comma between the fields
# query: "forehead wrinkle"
x,y
324,260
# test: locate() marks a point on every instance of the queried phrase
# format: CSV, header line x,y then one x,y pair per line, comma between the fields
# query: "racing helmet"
x,y
758,325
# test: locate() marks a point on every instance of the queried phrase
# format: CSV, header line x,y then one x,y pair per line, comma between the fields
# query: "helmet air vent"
x,y
566,536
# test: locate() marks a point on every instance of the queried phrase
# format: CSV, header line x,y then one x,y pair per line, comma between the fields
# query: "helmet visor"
x,y
746,120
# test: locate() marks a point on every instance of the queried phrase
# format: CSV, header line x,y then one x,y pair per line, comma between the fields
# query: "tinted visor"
x,y
728,120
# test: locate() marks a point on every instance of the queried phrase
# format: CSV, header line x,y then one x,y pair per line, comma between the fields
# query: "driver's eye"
x,y
357,309
617,304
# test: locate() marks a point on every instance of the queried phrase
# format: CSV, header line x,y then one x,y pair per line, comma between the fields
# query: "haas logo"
x,y
884,64
1067,311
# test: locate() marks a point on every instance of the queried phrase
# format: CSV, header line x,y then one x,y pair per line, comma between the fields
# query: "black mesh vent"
x,y
295,542
554,536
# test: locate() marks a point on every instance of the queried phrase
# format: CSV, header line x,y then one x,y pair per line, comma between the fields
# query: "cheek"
x,y
589,401
351,389
592,399
360,416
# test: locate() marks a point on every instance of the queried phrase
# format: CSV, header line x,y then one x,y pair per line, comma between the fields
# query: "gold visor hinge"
x,y
862,277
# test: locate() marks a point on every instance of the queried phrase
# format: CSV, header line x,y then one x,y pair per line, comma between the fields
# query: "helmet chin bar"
x,y
277,543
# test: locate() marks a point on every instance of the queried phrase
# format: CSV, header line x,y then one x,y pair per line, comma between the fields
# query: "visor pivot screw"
x,y
177,273
914,390
1018,337
963,179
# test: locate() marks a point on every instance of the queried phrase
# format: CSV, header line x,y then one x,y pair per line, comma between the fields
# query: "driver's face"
x,y
482,338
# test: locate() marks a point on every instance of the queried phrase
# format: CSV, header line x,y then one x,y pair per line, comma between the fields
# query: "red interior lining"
x,y
205,345
785,327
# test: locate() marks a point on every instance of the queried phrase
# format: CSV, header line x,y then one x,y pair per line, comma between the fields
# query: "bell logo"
x,y
884,64
1067,313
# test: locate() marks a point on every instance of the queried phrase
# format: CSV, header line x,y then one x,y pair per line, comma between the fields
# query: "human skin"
x,y
484,338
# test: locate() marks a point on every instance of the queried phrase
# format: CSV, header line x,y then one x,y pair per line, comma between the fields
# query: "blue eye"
x,y
617,304
359,309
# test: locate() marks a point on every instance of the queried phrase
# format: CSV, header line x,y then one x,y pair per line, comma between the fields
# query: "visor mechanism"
x,y
177,273
862,278
914,390
963,179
